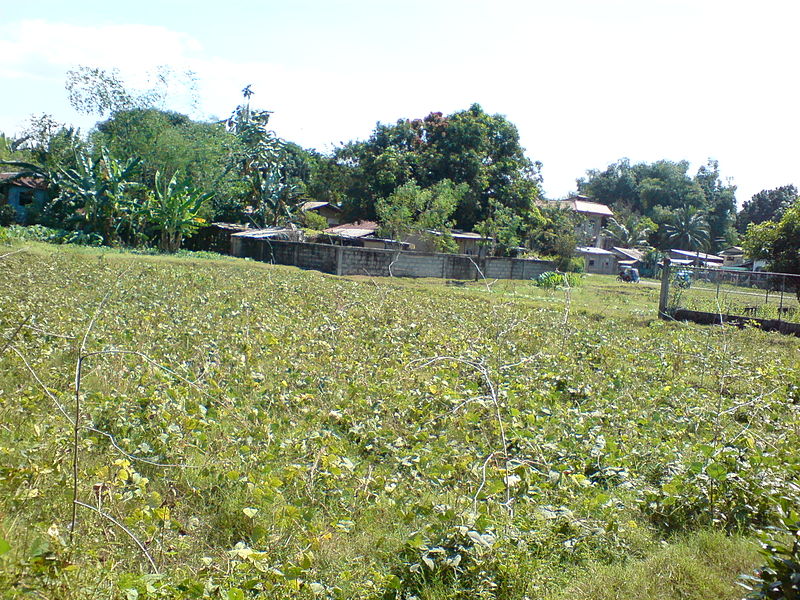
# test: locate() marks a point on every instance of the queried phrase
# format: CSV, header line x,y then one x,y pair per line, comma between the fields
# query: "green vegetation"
x,y
696,213
268,432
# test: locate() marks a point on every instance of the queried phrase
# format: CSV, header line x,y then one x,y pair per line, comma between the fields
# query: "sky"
x,y
586,82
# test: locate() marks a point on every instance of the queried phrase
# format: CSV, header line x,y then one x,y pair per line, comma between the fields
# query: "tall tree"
x,y
273,195
630,231
469,147
412,209
688,229
661,190
766,205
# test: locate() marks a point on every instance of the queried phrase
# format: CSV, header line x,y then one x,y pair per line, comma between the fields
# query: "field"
x,y
247,430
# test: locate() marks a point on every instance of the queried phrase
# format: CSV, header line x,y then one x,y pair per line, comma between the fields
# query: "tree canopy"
x,y
467,147
766,205
661,190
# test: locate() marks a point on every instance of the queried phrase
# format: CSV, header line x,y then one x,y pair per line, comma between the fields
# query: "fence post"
x,y
664,296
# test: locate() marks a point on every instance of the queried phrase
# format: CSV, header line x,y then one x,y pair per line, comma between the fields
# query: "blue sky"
x,y
586,81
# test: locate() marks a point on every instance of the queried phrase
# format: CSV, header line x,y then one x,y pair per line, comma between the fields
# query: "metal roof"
x,y
698,255
315,205
593,250
358,229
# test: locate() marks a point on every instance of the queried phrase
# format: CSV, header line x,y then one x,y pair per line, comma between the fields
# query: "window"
x,y
591,262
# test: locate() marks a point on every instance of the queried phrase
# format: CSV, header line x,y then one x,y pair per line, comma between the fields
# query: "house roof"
x,y
631,253
732,251
268,232
593,250
34,183
584,204
697,255
358,229
315,205
467,235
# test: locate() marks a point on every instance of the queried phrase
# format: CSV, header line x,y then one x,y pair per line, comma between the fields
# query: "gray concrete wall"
x,y
349,260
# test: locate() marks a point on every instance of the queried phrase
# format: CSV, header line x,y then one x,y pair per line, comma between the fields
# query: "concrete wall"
x,y
347,260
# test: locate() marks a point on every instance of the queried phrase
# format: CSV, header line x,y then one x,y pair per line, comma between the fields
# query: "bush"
x,y
8,215
779,579
571,264
552,280
314,220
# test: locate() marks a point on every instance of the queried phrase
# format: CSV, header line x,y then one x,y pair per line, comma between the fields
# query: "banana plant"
x,y
99,192
173,209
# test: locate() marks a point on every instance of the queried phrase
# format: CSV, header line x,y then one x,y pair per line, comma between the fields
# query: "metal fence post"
x,y
664,296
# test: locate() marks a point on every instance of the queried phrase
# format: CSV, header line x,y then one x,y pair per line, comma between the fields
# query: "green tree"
x,y
688,230
766,205
660,190
273,194
759,240
469,147
427,212
630,231
96,196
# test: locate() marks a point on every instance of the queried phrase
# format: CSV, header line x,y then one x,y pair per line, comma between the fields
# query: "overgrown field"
x,y
268,432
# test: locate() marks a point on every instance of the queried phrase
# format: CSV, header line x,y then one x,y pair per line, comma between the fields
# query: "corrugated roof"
x,y
593,250
358,229
594,208
696,255
34,183
269,232
315,205
630,252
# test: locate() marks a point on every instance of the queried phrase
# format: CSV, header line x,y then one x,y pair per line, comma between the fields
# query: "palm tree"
x,y
688,230
630,232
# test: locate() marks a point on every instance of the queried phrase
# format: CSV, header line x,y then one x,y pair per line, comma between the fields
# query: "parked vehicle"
x,y
629,275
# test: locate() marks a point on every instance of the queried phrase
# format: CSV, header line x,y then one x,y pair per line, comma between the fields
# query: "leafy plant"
x,y
779,578
174,210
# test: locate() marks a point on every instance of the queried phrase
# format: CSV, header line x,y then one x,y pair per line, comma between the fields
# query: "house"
x,y
697,259
361,233
331,212
627,257
26,195
732,257
597,260
594,213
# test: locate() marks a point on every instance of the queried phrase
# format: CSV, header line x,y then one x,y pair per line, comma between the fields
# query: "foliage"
x,y
272,195
173,209
510,230
287,434
632,231
426,212
313,220
779,579
551,280
92,90
556,233
766,205
661,190
96,197
779,243
688,229
759,240
467,147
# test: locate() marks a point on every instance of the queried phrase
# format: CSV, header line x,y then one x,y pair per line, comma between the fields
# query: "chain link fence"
x,y
716,295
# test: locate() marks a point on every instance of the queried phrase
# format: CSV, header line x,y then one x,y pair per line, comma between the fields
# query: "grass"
x,y
283,433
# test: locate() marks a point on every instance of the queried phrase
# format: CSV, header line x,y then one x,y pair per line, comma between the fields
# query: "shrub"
x,y
552,280
779,579
8,215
